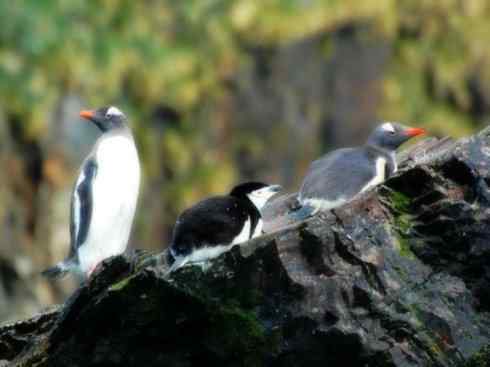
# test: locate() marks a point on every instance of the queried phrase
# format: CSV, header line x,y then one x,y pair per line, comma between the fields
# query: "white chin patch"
x,y
261,196
114,111
388,126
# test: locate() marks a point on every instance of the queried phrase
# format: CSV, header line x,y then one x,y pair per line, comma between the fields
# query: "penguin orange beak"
x,y
415,131
87,114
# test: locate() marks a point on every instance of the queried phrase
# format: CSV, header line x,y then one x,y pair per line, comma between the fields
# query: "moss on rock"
x,y
402,222
236,333
481,359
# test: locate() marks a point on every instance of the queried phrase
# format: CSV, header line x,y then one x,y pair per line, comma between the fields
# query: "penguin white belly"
x,y
114,197
379,175
395,164
323,204
244,234
209,252
258,229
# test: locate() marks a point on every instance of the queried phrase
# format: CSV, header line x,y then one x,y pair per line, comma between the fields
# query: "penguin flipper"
x,y
58,271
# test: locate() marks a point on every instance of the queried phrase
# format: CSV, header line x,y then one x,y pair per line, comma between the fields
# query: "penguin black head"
x,y
257,192
105,118
391,135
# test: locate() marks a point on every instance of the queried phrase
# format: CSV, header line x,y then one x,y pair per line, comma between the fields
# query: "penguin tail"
x,y
58,271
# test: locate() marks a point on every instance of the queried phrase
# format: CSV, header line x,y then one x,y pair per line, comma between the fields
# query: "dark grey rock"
x,y
398,277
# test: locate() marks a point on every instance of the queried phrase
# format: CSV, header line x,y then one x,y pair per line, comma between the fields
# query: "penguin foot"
x,y
301,213
178,263
57,271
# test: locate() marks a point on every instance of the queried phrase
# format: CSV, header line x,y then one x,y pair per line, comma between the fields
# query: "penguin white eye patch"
x,y
113,111
264,192
388,126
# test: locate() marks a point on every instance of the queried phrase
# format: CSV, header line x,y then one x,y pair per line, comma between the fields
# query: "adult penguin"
x,y
337,177
104,198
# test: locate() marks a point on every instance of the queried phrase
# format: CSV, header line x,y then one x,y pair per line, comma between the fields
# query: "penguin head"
x,y
105,118
257,192
390,135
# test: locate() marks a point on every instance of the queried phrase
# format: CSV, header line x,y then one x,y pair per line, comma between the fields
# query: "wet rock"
x,y
398,277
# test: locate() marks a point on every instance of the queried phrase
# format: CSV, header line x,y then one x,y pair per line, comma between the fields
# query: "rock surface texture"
x,y
398,277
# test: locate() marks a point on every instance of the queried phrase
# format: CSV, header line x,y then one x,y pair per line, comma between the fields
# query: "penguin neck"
x,y
389,155
251,209
114,139
253,212
376,149
108,126
120,130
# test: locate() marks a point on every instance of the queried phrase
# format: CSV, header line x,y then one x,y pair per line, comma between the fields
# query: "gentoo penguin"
x,y
216,224
338,176
104,198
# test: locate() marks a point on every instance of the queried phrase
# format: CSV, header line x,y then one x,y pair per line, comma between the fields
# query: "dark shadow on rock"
x,y
398,277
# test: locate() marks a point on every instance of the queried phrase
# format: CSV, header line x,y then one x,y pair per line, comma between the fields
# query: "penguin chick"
x,y
216,224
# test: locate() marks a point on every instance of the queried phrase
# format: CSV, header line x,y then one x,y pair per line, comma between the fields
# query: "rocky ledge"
x,y
398,277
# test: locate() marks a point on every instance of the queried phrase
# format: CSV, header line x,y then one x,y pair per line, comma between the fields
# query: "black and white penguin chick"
x,y
337,177
104,198
216,224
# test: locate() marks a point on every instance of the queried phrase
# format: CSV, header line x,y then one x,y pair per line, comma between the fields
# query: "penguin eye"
x,y
113,112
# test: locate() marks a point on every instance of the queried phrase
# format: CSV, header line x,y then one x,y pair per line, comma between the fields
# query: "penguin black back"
x,y
218,222
341,174
244,189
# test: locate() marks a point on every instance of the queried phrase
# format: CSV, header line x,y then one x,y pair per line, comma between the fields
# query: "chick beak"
x,y
275,188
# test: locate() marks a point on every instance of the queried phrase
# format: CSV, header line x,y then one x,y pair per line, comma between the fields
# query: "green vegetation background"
x,y
217,91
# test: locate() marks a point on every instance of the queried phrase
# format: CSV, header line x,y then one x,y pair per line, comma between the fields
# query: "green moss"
x,y
430,341
399,201
435,348
433,344
415,312
120,285
404,247
215,284
247,324
400,271
480,359
403,222
237,333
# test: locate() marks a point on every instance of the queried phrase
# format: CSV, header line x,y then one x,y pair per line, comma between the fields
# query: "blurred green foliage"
x,y
218,91
141,54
